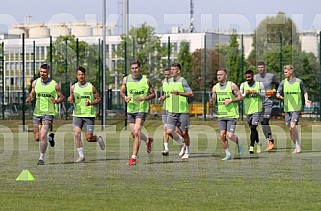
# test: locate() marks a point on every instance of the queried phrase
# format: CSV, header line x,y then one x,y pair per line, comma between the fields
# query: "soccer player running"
x,y
165,98
292,89
227,95
252,93
85,98
48,95
139,90
178,110
268,80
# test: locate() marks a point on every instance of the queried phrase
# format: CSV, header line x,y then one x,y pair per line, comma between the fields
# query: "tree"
x,y
305,67
234,60
185,60
310,75
144,45
267,35
88,58
214,60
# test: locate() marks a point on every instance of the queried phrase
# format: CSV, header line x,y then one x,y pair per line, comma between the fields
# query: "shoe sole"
x,y
223,159
101,143
165,153
80,161
149,145
185,157
41,163
52,143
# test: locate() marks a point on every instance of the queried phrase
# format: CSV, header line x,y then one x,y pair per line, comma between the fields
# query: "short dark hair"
x,y
134,61
167,69
249,72
260,64
223,69
81,69
45,66
176,65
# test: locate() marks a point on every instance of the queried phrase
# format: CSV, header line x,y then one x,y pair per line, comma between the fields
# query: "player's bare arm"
x,y
151,93
123,89
32,93
307,101
60,95
213,98
237,93
96,97
71,96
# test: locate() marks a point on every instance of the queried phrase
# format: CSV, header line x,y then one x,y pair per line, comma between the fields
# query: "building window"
x,y
175,47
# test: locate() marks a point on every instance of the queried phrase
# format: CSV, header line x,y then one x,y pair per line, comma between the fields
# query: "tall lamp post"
x,y
104,64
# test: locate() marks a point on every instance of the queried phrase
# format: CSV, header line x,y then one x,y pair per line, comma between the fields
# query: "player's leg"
x,y
135,125
252,140
165,152
147,140
172,121
231,127
45,127
184,121
77,124
222,127
89,124
265,122
36,127
294,131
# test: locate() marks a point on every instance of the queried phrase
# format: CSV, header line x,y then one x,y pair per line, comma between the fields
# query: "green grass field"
x,y
276,180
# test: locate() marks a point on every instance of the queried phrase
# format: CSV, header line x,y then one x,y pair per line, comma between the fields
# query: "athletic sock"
x,y
81,152
42,156
166,146
227,152
187,150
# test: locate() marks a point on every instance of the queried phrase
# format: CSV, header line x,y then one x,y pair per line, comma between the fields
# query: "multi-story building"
x,y
37,41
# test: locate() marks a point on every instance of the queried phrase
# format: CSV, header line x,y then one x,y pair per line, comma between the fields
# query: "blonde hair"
x,y
289,67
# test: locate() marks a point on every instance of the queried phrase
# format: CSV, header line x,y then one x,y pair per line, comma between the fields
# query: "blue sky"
x,y
244,15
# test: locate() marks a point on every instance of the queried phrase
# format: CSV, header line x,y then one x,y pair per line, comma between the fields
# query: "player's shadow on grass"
x,y
88,161
165,162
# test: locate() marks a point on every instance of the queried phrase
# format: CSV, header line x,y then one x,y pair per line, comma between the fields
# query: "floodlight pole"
x,y
104,65
126,25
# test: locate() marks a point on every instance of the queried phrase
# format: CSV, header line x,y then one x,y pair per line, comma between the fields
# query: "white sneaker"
x,y
80,160
297,148
101,142
227,157
165,152
185,156
182,150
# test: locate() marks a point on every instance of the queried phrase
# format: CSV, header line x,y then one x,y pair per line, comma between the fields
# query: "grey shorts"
x,y
227,124
87,122
267,109
253,119
131,117
180,120
37,120
164,116
292,117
